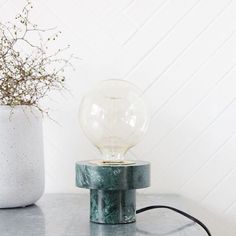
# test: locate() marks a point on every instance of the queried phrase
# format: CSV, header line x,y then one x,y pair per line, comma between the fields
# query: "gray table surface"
x,y
68,214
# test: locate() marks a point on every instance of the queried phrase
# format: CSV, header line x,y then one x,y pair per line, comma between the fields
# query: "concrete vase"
x,y
21,156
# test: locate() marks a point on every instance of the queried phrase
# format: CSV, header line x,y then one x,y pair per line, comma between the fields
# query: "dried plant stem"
x,y
26,76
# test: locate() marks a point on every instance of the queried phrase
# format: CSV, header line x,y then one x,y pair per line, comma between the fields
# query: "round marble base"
x,y
112,189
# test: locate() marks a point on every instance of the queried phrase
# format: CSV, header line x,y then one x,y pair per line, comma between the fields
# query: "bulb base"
x,y
111,162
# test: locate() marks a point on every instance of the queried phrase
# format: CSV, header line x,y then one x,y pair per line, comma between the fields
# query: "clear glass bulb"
x,y
114,117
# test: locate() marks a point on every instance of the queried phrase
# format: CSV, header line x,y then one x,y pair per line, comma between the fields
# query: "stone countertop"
x,y
68,215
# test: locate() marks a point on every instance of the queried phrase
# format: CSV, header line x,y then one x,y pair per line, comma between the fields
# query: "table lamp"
x,y
114,117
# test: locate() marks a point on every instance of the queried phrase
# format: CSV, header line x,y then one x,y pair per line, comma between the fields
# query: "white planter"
x,y
21,156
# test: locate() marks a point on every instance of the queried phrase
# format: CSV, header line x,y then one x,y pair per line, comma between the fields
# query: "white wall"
x,y
182,54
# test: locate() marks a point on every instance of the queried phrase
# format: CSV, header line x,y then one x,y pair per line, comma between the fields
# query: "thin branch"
x,y
27,78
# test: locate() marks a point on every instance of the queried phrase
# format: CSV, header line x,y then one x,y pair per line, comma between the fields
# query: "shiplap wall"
x,y
182,53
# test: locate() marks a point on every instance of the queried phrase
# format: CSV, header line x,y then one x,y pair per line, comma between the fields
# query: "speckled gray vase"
x,y
112,189
21,156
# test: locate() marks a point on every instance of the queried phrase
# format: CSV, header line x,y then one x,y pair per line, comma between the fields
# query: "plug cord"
x,y
178,211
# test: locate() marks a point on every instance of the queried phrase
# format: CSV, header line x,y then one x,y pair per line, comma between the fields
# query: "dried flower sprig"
x,y
27,70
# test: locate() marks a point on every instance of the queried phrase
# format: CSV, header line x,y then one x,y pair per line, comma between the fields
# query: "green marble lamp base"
x,y
112,206
112,189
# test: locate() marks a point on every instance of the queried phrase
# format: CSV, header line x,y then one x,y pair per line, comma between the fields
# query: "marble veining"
x,y
112,206
112,189
123,177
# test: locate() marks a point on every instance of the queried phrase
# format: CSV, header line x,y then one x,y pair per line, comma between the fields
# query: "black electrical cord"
x,y
178,211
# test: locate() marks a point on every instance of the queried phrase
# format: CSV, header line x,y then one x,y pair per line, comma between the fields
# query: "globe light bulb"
x,y
114,117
